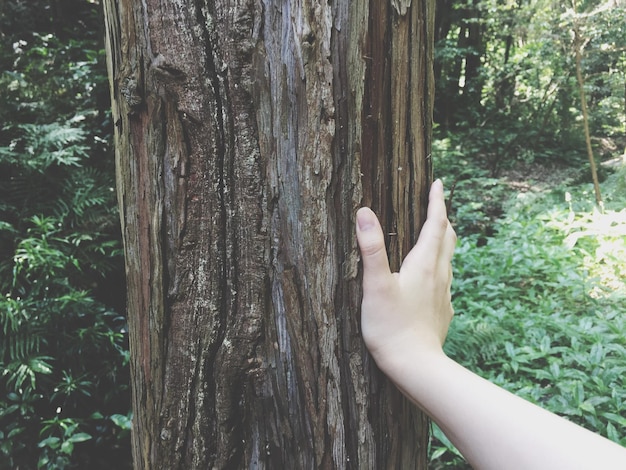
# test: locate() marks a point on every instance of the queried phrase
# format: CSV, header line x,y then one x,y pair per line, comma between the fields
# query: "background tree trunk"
x,y
247,135
579,45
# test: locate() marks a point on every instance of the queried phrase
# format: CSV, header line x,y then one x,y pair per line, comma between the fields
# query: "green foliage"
x,y
529,108
63,354
42,145
541,308
64,399
539,279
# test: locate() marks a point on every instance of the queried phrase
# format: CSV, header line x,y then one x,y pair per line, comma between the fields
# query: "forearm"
x,y
495,429
404,321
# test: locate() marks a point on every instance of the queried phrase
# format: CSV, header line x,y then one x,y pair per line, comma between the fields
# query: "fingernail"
x,y
365,219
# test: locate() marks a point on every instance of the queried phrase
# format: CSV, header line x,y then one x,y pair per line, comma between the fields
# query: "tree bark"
x,y
578,47
447,69
473,42
247,134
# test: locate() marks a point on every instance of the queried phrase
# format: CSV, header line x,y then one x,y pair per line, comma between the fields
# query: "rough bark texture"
x,y
248,132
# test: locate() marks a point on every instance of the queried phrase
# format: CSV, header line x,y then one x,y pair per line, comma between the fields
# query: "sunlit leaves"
x,y
535,315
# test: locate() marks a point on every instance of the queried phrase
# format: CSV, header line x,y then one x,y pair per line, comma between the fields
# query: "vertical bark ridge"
x,y
395,159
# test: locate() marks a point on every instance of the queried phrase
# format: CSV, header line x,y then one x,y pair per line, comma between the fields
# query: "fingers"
x,y
372,245
437,238
445,258
436,203
436,225
433,251
449,243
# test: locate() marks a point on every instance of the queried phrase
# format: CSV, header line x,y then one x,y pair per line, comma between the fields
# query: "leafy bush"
x,y
64,398
541,310
63,354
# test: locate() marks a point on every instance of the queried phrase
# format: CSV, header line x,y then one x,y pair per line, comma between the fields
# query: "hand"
x,y
404,320
407,313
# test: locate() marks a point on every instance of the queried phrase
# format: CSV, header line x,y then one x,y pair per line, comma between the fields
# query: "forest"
x,y
529,139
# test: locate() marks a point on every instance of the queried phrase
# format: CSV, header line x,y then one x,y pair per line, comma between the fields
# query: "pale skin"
x,y
405,318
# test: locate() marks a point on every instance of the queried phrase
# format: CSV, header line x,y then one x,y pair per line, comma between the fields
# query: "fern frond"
x,y
56,135
88,199
18,372
472,340
40,146
18,338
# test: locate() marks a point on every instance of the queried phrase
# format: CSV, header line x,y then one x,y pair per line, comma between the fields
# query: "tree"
x,y
247,135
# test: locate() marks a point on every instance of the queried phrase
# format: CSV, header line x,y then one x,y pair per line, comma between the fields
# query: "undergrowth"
x,y
540,305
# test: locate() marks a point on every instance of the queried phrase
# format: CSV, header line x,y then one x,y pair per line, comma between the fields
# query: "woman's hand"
x,y
405,318
407,314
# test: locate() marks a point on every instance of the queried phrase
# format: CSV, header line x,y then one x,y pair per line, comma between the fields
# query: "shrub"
x,y
541,310
64,398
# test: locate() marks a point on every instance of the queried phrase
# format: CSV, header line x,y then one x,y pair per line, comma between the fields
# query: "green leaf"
x,y
122,421
44,460
439,435
79,437
438,453
588,407
620,420
67,447
39,365
555,370
51,442
612,433
8,410
16,432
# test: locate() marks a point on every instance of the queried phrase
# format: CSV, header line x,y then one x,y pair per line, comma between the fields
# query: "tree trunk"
x,y
475,50
578,47
247,135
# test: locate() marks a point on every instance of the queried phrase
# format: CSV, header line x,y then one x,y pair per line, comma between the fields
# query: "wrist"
x,y
403,362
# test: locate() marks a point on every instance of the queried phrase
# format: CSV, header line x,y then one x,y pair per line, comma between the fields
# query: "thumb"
x,y
371,241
